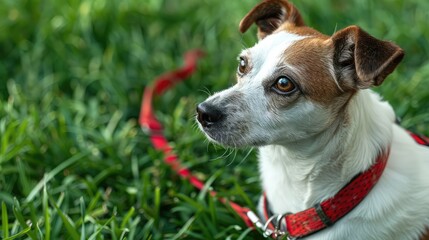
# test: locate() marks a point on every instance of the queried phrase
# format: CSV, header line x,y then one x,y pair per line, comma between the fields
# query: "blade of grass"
x,y
240,192
46,214
5,220
83,214
33,215
66,221
113,228
244,234
39,231
100,228
127,217
124,232
18,235
54,172
134,227
207,185
212,209
185,228
233,228
157,205
17,213
93,203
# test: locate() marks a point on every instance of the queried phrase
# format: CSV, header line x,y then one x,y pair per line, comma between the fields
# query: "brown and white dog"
x,y
303,98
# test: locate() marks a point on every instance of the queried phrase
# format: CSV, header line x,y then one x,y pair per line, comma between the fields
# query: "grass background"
x,y
74,164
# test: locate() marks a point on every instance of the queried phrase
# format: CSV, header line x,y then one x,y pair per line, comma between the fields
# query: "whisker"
x,y
233,159
231,151
246,156
206,91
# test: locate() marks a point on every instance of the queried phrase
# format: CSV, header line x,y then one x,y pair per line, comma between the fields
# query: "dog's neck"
x,y
298,175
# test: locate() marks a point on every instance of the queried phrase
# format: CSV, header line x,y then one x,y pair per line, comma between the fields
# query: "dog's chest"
x,y
284,184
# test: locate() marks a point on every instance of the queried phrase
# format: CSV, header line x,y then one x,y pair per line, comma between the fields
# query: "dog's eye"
x,y
284,85
242,65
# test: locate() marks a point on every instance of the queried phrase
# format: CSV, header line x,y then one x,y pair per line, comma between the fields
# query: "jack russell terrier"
x,y
333,162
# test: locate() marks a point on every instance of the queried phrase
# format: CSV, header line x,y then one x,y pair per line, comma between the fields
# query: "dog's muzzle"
x,y
208,114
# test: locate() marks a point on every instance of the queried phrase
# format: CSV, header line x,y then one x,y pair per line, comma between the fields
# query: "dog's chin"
x,y
229,139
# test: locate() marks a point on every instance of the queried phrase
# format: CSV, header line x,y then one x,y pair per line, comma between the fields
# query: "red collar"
x,y
328,212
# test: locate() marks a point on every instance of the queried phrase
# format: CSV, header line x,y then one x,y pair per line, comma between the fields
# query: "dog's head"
x,y
295,82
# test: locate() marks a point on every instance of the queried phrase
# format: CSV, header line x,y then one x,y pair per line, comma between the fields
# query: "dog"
x,y
304,100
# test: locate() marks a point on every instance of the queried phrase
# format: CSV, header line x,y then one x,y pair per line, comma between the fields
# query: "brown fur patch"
x,y
302,31
312,59
426,235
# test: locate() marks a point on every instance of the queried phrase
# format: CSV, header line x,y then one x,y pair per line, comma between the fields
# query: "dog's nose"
x,y
207,114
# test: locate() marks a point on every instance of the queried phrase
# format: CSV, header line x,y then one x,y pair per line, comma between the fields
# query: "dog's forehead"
x,y
273,46
268,53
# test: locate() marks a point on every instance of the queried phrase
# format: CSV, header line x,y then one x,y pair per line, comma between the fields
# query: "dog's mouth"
x,y
223,127
212,120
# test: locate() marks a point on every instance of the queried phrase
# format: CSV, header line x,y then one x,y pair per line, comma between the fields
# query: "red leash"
x,y
153,127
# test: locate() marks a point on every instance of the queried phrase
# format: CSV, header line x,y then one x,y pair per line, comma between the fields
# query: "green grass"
x,y
74,163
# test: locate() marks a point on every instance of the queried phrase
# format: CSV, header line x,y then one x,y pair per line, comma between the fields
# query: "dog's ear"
x,y
270,15
362,61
